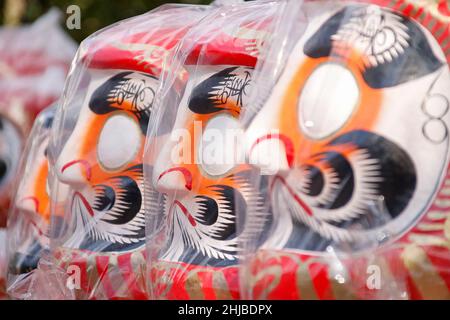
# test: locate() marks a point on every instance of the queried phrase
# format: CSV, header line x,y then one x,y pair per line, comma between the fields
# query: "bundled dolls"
x,y
260,150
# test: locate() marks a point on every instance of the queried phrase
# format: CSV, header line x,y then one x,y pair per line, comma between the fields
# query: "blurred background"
x,y
95,14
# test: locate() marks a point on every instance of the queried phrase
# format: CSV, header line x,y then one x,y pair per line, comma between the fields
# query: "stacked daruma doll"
x,y
195,176
97,145
351,140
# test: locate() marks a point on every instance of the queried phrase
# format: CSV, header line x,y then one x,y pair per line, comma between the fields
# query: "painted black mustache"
x,y
394,166
121,195
210,209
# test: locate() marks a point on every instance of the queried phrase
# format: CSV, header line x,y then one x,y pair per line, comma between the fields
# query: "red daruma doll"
x,y
351,140
29,216
97,145
196,179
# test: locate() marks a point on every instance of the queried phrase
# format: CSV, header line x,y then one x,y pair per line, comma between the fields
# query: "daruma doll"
x,y
197,181
97,145
351,140
29,217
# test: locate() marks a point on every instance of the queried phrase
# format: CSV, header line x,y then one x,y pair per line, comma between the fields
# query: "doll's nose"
x,y
271,153
74,171
30,204
174,179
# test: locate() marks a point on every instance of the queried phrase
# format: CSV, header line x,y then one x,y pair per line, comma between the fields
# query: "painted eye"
x,y
327,101
119,142
10,150
217,152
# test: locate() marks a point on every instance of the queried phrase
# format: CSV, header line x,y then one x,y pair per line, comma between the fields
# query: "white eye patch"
x,y
218,147
327,100
119,142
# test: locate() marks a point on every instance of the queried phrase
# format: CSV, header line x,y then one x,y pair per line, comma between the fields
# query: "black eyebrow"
x,y
207,97
102,98
417,60
100,102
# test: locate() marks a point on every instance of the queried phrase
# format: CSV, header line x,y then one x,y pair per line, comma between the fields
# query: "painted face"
x,y
203,187
28,228
198,177
343,165
98,145
353,137
101,161
101,165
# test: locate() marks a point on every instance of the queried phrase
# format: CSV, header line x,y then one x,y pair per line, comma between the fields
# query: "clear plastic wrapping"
x,y
347,130
192,235
96,145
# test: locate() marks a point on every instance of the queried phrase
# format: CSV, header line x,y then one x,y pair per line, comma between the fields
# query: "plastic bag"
x,y
28,85
192,235
96,147
348,127
29,216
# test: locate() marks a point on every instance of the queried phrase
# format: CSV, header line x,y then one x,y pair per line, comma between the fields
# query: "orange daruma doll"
x,y
97,146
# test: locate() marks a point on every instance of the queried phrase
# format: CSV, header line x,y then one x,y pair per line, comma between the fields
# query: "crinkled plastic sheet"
x,y
192,234
96,145
347,130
